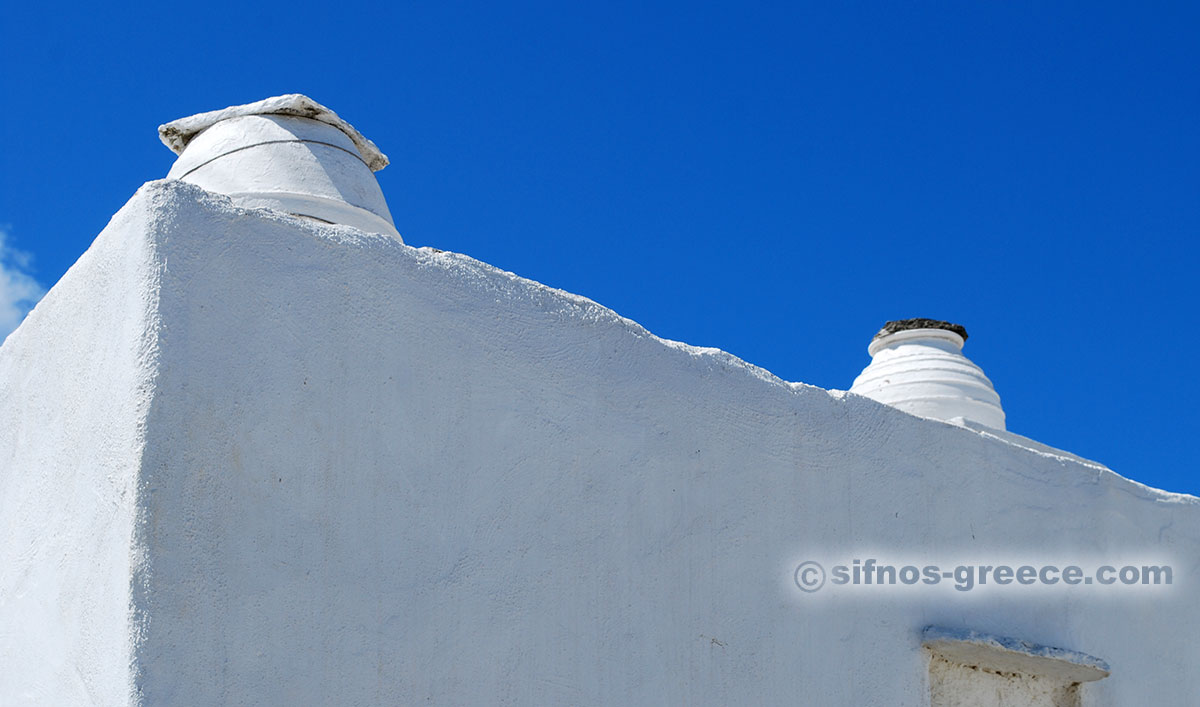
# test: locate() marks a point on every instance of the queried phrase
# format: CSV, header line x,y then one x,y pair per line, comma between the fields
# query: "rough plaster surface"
x,y
75,383
365,474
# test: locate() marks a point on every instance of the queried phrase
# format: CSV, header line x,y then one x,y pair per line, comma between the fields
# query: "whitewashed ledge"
x,y
1011,655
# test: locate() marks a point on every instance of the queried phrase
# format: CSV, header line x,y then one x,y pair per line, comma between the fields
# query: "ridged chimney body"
x,y
917,366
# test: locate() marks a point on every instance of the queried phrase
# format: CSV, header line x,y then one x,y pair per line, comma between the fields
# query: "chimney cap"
x,y
899,325
178,133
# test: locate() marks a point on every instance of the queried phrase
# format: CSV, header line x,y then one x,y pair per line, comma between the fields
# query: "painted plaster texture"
x,y
254,459
76,381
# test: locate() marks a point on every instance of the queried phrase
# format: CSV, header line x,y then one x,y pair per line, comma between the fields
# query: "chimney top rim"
x,y
178,133
899,325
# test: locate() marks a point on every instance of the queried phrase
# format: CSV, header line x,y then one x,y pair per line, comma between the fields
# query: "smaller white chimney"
x,y
917,366
287,153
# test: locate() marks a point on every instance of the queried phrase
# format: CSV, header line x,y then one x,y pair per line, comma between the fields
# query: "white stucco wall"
x,y
375,474
75,382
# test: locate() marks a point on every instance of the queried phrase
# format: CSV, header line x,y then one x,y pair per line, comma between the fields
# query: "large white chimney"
x,y
287,153
917,366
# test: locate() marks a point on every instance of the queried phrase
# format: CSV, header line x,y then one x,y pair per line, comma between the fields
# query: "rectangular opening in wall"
x,y
957,685
971,669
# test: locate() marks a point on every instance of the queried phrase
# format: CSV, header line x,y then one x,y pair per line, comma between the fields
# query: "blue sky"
x,y
776,180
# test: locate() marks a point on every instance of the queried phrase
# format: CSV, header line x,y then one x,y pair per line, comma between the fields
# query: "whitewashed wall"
x,y
76,380
374,474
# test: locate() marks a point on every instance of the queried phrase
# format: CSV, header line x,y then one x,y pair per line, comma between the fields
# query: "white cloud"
x,y
18,290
